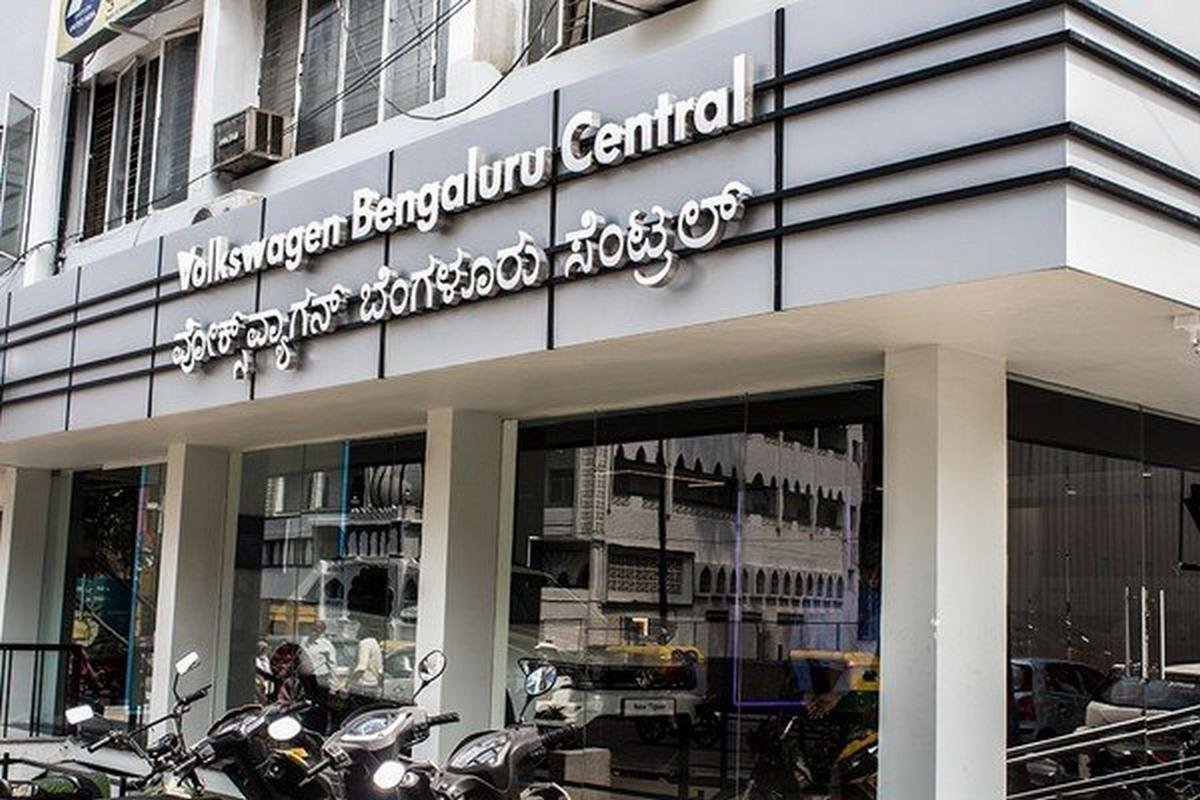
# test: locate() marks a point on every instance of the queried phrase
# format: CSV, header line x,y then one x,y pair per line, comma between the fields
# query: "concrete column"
x,y
24,518
460,562
46,181
943,651
226,80
24,514
189,589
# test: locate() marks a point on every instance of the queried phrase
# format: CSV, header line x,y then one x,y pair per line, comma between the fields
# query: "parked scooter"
x,y
492,765
169,750
379,734
264,751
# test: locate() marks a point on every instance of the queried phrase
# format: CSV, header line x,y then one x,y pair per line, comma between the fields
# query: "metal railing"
x,y
37,683
1172,738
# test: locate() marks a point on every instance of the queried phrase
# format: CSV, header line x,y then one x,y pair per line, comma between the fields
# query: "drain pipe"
x,y
68,168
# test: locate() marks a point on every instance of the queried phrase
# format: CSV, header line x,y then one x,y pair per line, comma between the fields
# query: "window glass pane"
x,y
541,28
1104,553
112,585
15,166
146,138
99,151
413,32
707,632
175,123
120,156
329,539
608,18
319,75
364,43
280,56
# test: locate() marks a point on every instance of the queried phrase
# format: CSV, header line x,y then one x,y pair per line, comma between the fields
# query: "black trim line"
x,y
71,356
154,336
910,42
780,151
1118,24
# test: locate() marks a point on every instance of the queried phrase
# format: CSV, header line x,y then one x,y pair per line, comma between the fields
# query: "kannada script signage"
x,y
650,242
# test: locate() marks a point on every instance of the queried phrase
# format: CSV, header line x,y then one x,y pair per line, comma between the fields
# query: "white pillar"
x,y
24,512
943,659
226,80
24,516
460,560
189,575
46,182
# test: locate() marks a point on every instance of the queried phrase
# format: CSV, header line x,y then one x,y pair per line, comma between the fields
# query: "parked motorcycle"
x,y
492,765
264,751
378,734
169,750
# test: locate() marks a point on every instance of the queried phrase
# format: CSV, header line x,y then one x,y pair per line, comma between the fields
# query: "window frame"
x,y
148,145
381,79
24,210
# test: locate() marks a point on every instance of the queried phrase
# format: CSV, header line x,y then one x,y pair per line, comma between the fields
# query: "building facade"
x,y
800,379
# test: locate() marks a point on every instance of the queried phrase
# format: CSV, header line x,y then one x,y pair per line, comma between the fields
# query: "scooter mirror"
x,y
389,775
284,729
429,670
541,680
188,663
432,666
80,714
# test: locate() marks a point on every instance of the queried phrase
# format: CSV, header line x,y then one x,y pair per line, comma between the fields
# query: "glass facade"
x,y
706,580
326,575
112,585
1104,548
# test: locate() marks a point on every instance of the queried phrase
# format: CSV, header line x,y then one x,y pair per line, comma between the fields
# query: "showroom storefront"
x,y
794,390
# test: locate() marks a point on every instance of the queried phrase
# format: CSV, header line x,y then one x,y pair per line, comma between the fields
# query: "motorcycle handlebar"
x,y
188,764
101,743
443,719
316,769
196,696
557,737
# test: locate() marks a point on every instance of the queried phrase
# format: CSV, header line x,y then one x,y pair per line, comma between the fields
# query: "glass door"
x,y
112,585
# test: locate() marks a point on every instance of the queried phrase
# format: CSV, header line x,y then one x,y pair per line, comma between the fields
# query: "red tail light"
x,y
1025,709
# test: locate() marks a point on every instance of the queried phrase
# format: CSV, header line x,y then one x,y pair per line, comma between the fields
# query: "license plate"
x,y
648,707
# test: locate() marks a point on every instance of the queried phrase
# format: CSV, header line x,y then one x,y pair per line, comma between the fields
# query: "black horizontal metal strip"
x,y
1156,44
96,363
1134,197
1071,174
931,72
1077,40
1133,156
1133,69
914,41
917,162
115,294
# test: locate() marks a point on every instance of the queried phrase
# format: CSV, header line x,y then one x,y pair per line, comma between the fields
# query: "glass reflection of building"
x,y
797,566
329,547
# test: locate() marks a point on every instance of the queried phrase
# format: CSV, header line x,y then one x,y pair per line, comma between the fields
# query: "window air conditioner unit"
x,y
248,140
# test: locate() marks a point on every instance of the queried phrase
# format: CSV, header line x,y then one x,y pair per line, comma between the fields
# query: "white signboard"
x,y
648,242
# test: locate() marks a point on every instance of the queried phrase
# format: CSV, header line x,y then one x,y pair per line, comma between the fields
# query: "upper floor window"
x,y
16,166
334,67
140,136
554,25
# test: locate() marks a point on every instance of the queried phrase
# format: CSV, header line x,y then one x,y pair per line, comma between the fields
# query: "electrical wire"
x,y
503,75
384,63
369,75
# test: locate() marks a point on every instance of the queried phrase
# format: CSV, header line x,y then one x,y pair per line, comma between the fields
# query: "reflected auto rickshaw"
x,y
838,736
